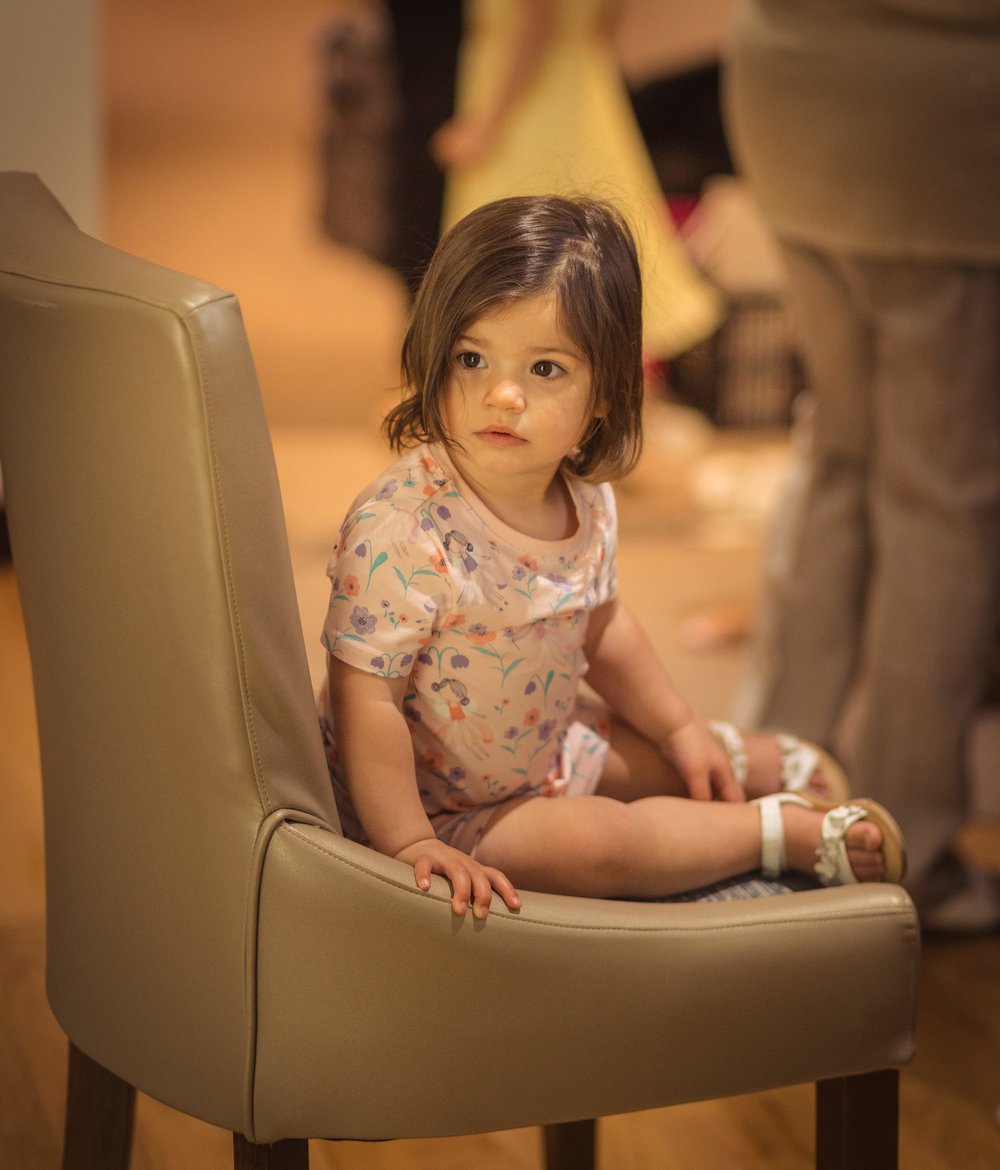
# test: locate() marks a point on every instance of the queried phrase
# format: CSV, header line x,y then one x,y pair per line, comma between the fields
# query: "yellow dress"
x,y
573,132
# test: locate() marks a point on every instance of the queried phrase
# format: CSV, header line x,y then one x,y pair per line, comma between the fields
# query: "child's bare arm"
x,y
376,757
626,671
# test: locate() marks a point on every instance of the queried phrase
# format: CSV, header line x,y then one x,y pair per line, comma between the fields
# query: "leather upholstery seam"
x,y
898,912
265,834
226,552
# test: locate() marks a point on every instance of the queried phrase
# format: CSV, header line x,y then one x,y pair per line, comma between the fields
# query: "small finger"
x,y
728,788
505,888
699,787
422,872
482,894
461,886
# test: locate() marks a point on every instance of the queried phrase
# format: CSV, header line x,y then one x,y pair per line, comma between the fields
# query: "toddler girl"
x,y
474,588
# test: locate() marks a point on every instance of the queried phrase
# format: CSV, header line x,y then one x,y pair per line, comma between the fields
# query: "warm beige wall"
x,y
51,117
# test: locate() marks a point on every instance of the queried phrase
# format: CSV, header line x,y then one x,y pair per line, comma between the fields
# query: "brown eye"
x,y
469,360
546,369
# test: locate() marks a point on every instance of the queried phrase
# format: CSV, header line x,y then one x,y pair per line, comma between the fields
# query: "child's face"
x,y
517,399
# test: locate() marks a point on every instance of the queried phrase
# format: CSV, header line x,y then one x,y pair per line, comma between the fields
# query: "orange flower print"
x,y
529,563
479,635
531,717
454,619
431,760
438,563
351,586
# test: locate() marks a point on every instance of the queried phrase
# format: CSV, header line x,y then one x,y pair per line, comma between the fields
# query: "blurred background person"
x,y
388,75
541,106
870,134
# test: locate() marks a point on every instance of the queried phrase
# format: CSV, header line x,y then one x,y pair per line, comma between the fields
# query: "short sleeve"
x,y
605,548
389,587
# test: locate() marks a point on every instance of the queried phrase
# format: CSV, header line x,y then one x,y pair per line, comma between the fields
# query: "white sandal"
x,y
832,868
799,760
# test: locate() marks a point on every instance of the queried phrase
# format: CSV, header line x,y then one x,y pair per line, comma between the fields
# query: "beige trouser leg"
x,y
885,558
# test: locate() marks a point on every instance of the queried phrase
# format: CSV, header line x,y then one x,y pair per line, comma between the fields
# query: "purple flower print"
x,y
425,659
531,687
427,524
406,660
562,582
477,629
545,730
444,513
459,661
387,489
456,774
378,662
511,733
519,572
363,621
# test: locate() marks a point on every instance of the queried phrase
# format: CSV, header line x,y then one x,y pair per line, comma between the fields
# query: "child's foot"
x,y
837,843
803,836
765,764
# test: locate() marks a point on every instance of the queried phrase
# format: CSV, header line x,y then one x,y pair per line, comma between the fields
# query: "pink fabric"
x,y
487,624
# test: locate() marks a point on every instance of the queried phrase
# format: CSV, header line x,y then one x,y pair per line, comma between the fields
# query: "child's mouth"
x,y
500,437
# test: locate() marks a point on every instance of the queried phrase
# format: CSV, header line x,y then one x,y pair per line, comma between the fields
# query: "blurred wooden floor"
x,y
211,170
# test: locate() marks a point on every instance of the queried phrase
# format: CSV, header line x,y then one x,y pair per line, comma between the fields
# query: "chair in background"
x,y
213,940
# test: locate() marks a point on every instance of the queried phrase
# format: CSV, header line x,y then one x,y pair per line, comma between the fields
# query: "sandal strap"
x,y
772,838
731,739
799,760
832,866
773,860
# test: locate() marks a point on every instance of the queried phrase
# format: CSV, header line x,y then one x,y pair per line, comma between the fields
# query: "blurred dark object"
x,y
427,37
361,112
748,372
5,555
681,120
389,83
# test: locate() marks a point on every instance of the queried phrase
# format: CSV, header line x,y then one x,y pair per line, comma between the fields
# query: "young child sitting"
x,y
474,589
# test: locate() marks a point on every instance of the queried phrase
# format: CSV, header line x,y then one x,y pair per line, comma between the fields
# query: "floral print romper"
x,y
487,624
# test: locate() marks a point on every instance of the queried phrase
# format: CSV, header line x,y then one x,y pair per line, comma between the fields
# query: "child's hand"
x,y
702,763
468,878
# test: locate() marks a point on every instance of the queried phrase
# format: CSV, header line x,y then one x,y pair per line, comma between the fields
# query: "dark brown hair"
x,y
581,250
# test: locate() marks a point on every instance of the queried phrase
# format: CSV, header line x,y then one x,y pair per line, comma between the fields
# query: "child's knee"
x,y
604,841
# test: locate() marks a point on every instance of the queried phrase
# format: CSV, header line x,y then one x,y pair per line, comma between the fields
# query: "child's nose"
x,y
505,393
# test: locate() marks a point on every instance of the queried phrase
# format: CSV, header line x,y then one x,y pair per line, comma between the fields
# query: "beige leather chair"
x,y
212,939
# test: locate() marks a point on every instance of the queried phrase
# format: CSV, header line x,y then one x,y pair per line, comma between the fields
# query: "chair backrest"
x,y
175,714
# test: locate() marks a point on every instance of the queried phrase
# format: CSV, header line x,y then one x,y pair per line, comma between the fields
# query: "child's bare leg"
x,y
764,767
593,846
767,763
636,767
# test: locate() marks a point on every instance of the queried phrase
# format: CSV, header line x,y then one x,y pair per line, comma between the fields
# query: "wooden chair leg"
x,y
100,1109
571,1145
288,1155
857,1122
